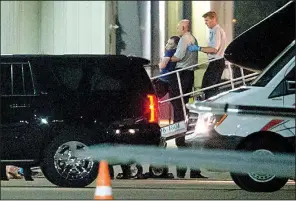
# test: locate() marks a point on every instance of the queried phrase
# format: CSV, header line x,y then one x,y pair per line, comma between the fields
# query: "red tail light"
x,y
151,108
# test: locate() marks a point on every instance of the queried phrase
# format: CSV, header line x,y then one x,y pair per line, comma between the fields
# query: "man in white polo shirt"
x,y
215,50
184,58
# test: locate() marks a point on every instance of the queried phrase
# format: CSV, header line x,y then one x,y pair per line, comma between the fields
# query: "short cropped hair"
x,y
187,22
210,14
176,39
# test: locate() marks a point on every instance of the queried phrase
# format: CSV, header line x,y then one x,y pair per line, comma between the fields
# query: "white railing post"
x,y
231,81
231,74
243,75
250,77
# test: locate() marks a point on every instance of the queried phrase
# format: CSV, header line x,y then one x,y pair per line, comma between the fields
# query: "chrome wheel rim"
x,y
262,178
68,165
134,170
157,171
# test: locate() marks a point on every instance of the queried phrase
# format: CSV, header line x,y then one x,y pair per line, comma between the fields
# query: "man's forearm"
x,y
208,50
164,61
175,59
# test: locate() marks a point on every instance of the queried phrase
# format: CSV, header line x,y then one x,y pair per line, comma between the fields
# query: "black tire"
x,y
48,163
158,172
136,170
235,179
245,181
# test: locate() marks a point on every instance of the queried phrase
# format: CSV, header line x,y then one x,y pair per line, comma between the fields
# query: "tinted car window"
x,y
5,72
87,76
271,72
16,79
67,74
291,75
28,81
101,81
281,89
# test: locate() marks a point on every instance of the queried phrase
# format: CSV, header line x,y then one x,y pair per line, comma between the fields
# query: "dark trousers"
x,y
212,76
187,81
126,170
111,171
27,173
3,172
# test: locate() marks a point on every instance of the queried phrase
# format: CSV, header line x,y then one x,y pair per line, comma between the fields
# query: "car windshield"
x,y
269,73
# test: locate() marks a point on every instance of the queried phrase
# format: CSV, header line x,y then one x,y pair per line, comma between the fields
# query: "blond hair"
x,y
210,14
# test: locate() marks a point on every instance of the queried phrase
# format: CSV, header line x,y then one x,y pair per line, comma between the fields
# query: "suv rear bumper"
x,y
148,134
215,141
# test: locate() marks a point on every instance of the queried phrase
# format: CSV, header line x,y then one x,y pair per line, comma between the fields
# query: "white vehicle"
x,y
274,87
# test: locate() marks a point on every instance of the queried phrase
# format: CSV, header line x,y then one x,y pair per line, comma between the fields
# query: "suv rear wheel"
x,y
258,182
136,170
60,165
158,171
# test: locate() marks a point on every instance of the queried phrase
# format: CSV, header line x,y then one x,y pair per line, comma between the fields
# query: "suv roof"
x,y
114,58
116,81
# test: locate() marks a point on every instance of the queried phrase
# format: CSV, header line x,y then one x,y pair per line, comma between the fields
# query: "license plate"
x,y
173,129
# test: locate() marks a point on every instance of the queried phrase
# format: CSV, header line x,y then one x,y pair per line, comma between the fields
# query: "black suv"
x,y
54,105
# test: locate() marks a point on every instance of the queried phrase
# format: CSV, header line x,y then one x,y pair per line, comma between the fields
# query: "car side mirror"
x,y
290,85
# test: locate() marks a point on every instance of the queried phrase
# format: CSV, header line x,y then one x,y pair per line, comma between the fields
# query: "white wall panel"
x,y
199,29
53,27
73,27
85,25
72,31
98,23
145,28
59,27
29,26
20,31
5,21
47,27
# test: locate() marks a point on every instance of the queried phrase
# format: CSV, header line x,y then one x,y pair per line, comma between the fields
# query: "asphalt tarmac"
x,y
185,189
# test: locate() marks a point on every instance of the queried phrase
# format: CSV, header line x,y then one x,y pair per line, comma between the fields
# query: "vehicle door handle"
x,y
19,105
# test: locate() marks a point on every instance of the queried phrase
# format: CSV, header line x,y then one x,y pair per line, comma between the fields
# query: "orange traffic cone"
x,y
103,186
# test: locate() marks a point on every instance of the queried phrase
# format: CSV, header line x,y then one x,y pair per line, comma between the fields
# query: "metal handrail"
x,y
246,80
210,87
231,74
194,67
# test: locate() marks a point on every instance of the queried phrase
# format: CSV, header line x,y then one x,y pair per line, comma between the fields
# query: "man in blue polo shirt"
x,y
215,50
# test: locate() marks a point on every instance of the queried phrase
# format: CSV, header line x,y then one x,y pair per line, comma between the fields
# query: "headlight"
x,y
191,120
207,121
